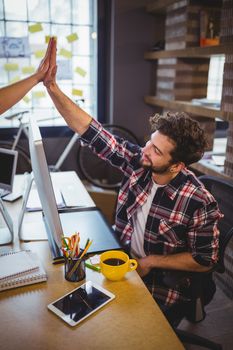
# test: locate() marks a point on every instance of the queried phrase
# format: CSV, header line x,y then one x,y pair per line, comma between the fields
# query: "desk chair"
x,y
202,285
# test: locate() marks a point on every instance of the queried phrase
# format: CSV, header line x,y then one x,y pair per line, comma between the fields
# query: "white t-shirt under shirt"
x,y
139,224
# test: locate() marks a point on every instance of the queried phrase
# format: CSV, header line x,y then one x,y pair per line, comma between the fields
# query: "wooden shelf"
x,y
205,167
184,106
191,52
159,6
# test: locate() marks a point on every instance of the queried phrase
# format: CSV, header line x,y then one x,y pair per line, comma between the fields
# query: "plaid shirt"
x,y
183,215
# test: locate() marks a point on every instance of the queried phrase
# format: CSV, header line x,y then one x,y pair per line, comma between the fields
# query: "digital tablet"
x,y
80,303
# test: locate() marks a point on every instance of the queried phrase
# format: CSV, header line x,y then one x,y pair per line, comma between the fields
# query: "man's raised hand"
x,y
50,76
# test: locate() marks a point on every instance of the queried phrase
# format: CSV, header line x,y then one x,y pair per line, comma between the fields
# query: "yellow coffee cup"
x,y
115,264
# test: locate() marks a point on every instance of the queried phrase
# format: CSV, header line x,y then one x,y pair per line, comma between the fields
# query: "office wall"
x,y
135,31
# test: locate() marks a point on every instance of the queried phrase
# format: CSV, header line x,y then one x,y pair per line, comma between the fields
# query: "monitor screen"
x,y
43,182
8,161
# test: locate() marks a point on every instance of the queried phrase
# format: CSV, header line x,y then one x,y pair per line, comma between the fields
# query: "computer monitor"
x,y
43,182
90,222
8,161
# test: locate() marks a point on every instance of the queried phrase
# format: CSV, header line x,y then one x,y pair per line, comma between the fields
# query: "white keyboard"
x,y
3,192
12,196
71,197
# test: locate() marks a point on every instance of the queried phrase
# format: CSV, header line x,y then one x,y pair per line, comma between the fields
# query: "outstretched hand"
x,y
50,76
45,63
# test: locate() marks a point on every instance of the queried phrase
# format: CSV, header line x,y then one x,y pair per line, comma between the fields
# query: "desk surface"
x,y
131,321
33,227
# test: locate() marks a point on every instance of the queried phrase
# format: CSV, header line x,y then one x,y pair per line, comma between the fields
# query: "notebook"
x,y
15,263
26,278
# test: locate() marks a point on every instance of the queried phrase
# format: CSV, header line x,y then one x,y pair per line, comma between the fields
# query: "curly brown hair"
x,y
189,138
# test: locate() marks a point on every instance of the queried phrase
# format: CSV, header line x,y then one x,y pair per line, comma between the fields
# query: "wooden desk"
x,y
131,321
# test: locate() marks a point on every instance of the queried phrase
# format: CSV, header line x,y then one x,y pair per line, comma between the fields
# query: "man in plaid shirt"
x,y
165,216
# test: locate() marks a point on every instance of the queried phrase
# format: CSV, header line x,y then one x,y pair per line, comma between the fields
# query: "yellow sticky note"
x,y
11,66
14,80
39,53
72,37
38,94
33,28
65,53
28,70
26,99
77,92
47,37
80,71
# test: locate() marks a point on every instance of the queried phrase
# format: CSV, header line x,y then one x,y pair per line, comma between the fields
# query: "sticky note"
x,y
65,53
15,79
11,66
39,53
38,94
72,37
33,28
80,71
28,70
77,92
26,99
47,37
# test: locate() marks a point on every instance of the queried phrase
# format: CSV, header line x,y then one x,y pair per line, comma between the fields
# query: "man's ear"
x,y
177,167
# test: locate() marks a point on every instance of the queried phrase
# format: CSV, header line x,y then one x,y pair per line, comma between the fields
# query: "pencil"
x,y
78,262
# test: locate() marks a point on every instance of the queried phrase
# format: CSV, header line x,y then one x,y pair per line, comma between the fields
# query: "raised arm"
x,y
11,94
75,117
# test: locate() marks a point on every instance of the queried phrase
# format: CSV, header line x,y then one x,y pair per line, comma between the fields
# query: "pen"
x,y
75,246
76,265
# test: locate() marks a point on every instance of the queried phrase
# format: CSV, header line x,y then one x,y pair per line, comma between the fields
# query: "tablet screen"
x,y
81,302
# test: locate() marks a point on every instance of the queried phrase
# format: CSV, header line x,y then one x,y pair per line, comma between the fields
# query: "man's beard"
x,y
156,169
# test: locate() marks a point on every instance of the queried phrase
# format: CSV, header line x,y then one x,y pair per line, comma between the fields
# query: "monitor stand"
x,y
6,233
33,230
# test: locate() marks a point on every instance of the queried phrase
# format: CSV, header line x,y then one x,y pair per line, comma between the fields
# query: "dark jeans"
x,y
173,313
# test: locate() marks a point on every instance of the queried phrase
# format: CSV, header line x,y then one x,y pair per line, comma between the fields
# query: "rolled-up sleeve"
x,y
111,148
203,235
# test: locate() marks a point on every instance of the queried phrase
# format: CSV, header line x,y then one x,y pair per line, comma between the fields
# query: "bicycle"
x,y
99,172
92,168
24,161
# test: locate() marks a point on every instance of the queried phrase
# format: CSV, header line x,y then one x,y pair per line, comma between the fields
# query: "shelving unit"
x,y
184,106
171,87
159,6
190,52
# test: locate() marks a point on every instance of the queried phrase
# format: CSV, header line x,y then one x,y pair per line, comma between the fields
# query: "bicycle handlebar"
x,y
12,116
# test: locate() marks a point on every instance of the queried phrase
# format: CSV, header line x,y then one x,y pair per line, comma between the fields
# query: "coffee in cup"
x,y
115,264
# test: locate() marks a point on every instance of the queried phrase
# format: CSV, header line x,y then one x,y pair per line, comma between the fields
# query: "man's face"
x,y
156,153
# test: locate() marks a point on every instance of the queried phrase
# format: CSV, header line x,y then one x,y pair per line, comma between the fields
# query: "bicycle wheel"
x,y
97,171
24,162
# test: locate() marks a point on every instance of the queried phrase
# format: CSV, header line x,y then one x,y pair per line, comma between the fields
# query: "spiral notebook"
x,y
14,263
33,272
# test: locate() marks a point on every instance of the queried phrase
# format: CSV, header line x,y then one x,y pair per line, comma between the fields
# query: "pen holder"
x,y
74,269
